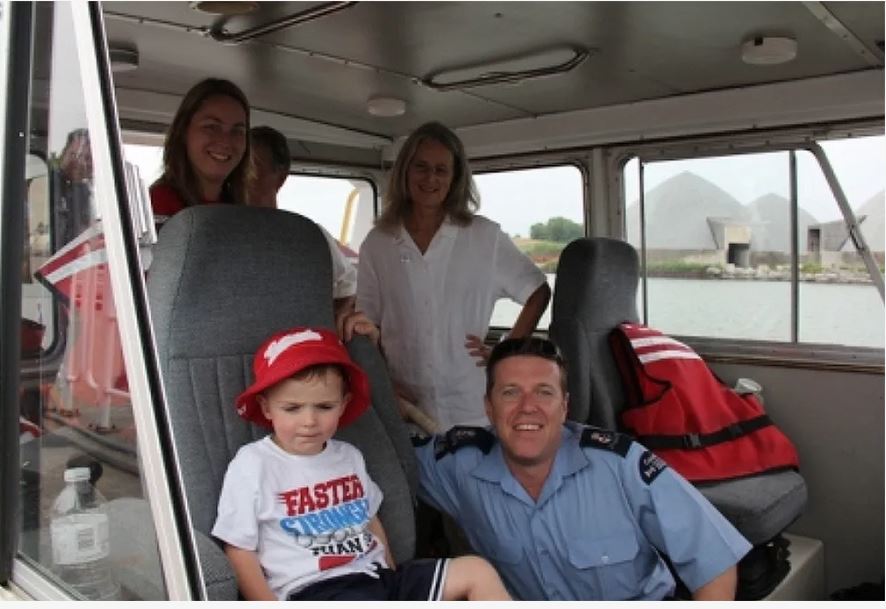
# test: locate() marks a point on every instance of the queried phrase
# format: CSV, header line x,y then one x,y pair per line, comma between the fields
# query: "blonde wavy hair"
x,y
462,200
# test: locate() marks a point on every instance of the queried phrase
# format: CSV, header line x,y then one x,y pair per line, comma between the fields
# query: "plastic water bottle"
x,y
80,538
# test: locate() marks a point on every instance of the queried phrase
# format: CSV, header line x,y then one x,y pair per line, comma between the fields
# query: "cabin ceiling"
x,y
325,70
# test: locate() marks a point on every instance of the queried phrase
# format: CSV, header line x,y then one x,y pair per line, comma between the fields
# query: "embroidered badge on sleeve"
x,y
651,465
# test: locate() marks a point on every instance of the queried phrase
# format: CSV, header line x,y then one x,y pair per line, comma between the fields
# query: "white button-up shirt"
x,y
425,305
344,275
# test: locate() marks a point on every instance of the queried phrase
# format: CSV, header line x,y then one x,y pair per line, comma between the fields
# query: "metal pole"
x,y
641,170
849,217
795,248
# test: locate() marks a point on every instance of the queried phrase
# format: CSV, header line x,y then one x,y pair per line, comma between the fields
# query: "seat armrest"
x,y
221,584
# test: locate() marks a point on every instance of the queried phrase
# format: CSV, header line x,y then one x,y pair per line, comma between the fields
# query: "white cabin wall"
x,y
836,421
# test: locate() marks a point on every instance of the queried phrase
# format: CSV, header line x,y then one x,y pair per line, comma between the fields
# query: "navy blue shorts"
x,y
414,580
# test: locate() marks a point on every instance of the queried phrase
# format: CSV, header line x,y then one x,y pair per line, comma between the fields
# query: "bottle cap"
x,y
744,385
77,474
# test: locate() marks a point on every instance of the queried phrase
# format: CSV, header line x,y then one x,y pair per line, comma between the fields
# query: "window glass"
x,y
541,209
36,298
148,159
718,234
345,207
75,410
717,245
838,304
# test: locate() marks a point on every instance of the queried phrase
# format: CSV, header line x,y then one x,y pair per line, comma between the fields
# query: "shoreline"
x,y
715,273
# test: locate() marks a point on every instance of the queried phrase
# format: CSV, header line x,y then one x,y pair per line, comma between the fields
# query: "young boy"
x,y
298,512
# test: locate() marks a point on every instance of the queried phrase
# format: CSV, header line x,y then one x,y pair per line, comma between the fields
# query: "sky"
x,y
518,199
859,163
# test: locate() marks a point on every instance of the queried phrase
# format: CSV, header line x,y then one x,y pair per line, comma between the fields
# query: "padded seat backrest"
x,y
223,279
596,289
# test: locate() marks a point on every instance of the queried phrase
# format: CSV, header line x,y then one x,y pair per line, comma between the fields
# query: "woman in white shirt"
x,y
430,273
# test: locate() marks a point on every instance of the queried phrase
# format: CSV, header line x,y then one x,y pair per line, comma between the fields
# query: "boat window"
x,y
148,159
716,234
38,324
75,407
837,301
542,210
345,207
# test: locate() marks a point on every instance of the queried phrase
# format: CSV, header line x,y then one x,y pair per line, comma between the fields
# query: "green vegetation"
x,y
559,229
678,268
543,253
811,268
550,266
541,249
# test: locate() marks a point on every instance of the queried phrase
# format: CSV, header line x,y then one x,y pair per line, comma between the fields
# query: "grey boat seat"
x,y
223,279
596,289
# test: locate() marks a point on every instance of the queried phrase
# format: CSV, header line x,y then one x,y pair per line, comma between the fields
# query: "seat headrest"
x,y
245,270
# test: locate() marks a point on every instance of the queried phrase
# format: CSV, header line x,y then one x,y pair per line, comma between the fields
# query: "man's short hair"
x,y
529,345
276,144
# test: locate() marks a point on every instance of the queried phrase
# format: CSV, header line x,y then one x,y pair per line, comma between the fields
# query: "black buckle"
x,y
735,431
691,441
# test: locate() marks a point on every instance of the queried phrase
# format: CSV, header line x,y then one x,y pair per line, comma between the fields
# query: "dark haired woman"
x,y
206,153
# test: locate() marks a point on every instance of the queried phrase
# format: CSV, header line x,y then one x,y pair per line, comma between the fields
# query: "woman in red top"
x,y
206,153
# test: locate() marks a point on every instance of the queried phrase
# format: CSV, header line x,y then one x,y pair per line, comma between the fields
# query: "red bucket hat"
x,y
291,351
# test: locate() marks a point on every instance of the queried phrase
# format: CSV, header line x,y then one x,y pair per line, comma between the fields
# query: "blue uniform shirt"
x,y
606,506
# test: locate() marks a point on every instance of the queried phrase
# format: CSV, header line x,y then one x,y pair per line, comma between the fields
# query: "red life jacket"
x,y
680,410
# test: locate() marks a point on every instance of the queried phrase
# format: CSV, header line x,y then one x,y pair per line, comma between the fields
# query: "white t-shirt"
x,y
426,304
344,275
305,516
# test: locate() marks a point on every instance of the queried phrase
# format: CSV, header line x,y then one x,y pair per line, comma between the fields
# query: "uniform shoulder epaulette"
x,y
605,439
459,437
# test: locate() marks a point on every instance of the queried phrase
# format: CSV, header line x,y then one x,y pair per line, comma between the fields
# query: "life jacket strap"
x,y
695,440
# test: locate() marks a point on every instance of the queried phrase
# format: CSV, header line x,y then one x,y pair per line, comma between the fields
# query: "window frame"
x,y
163,491
55,349
156,451
297,170
16,23
792,353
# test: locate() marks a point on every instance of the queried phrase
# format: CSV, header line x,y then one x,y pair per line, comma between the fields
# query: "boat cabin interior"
x,y
710,169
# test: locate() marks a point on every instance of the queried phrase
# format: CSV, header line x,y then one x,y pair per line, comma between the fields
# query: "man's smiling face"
x,y
527,407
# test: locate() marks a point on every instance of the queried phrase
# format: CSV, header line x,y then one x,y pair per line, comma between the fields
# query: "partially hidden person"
x,y
270,165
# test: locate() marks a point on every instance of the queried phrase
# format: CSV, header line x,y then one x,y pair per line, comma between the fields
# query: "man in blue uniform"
x,y
568,512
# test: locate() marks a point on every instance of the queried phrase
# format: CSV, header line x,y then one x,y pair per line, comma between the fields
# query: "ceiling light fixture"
x,y
234,7
219,33
508,71
386,106
123,59
768,50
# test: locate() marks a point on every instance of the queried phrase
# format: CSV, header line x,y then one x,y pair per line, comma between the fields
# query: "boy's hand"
x,y
375,527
